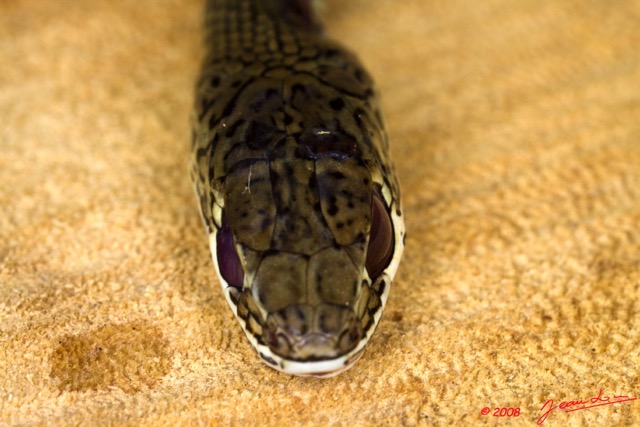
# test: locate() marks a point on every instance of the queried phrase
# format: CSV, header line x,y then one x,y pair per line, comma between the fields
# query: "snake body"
x,y
296,189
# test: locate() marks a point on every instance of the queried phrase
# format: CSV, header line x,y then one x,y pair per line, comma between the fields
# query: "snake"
x,y
297,192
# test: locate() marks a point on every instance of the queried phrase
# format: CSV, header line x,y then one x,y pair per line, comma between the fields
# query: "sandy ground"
x,y
515,128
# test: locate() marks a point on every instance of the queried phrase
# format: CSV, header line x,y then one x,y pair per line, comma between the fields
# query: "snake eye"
x,y
381,242
228,260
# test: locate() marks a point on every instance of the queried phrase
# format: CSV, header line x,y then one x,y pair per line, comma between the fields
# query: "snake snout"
x,y
304,332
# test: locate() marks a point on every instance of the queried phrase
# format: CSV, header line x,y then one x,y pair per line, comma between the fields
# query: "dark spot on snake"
x,y
205,106
337,104
339,225
298,88
330,53
350,204
213,121
231,130
268,359
287,119
236,83
258,135
266,222
322,320
337,175
275,177
299,153
215,81
298,312
270,93
313,183
260,339
367,322
257,106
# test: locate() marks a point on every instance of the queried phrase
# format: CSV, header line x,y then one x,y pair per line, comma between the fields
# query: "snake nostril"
x,y
273,339
278,342
380,249
228,260
354,333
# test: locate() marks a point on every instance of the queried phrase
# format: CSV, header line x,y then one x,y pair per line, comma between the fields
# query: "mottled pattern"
x,y
289,147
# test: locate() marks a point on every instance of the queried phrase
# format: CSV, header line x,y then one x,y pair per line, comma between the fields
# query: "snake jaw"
x,y
322,368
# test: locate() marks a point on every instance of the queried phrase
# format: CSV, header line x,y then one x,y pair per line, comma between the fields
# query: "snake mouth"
x,y
321,368
301,332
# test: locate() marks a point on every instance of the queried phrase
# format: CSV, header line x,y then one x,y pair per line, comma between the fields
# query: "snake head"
x,y
306,250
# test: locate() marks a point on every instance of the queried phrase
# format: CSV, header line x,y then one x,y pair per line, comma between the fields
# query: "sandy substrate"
x,y
515,128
